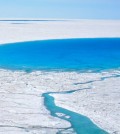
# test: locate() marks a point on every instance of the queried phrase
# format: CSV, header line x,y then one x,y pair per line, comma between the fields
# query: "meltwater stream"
x,y
79,123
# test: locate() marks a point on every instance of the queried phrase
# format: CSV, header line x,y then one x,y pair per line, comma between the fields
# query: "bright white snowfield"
x,y
20,31
22,109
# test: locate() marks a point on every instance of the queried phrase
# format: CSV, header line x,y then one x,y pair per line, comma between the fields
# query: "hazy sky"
x,y
78,9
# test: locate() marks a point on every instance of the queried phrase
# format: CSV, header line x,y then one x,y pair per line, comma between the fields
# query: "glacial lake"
x,y
63,55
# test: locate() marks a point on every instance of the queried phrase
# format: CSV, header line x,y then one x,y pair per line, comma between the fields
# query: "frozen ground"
x,y
22,109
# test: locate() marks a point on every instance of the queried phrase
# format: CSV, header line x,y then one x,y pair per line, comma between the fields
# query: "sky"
x,y
60,9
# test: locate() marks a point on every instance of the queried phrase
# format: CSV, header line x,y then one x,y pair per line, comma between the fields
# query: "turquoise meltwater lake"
x,y
66,55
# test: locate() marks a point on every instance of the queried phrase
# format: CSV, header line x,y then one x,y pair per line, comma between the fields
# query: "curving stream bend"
x,y
79,124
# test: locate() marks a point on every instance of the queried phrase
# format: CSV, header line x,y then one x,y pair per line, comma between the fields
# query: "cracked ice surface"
x,y
21,105
22,110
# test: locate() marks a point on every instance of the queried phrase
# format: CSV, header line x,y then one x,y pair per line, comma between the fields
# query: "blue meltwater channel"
x,y
79,123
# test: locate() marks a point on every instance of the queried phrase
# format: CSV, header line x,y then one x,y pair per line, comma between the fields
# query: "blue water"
x,y
69,54
79,123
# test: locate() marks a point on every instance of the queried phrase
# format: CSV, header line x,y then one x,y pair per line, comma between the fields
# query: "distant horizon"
x,y
51,19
